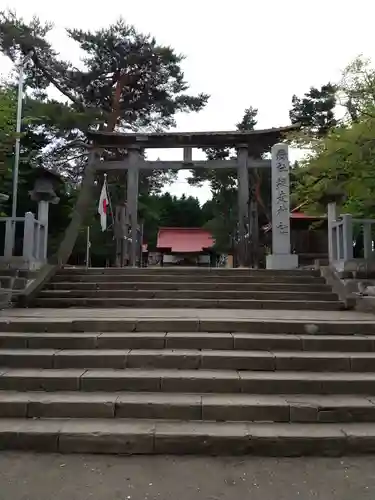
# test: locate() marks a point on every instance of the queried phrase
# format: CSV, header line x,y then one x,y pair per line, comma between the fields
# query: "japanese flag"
x,y
103,206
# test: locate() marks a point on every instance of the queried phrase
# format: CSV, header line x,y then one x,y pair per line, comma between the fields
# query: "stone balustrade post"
x,y
367,240
28,237
332,241
347,237
43,209
8,243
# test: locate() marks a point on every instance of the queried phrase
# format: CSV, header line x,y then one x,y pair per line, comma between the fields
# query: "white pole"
x,y
88,245
18,132
17,147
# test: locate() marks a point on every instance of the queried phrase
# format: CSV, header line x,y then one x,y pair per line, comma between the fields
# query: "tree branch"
x,y
54,82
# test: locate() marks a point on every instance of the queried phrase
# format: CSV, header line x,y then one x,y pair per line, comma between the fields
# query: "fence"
x,y
33,239
342,232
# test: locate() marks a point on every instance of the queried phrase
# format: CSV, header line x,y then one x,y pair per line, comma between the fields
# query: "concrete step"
x,y
189,271
160,285
187,381
190,294
108,324
17,273
198,278
198,340
13,283
171,303
126,436
169,406
5,298
189,359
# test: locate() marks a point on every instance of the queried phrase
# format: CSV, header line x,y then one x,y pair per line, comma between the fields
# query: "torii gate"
x,y
249,146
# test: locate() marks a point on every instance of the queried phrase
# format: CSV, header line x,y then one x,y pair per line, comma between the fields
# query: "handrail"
x,y
340,236
12,219
364,221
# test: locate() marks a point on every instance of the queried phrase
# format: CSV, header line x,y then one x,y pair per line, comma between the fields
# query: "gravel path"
x,y
75,477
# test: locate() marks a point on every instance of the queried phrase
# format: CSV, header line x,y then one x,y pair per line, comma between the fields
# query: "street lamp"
x,y
23,64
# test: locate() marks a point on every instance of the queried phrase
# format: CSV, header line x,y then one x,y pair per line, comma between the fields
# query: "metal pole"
x,y
18,132
88,245
18,141
109,201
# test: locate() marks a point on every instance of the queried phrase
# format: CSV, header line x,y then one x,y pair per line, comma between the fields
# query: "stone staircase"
x,y
188,288
12,282
228,385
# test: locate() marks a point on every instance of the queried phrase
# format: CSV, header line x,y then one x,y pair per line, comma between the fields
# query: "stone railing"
x,y
33,253
341,234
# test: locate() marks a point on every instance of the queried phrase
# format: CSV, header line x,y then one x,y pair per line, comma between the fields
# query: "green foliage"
x,y
147,76
341,162
7,128
315,111
356,90
169,211
126,80
344,161
249,120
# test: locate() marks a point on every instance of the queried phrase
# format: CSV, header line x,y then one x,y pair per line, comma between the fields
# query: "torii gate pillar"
x,y
134,158
243,205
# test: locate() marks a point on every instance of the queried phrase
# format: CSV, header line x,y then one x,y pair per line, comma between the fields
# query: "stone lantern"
x,y
43,193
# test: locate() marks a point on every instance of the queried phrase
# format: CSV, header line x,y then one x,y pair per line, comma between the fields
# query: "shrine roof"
x,y
301,215
184,239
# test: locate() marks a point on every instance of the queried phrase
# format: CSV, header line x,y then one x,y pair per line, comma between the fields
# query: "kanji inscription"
x,y
280,200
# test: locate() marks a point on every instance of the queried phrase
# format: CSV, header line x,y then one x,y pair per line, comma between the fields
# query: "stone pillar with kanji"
x,y
281,256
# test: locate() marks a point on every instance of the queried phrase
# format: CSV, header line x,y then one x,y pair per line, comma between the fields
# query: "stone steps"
x,y
186,278
188,288
172,406
12,283
195,340
173,285
165,324
169,385
183,271
190,294
5,298
187,381
127,436
189,359
176,303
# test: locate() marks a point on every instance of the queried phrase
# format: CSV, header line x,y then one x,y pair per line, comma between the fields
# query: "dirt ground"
x,y
27,476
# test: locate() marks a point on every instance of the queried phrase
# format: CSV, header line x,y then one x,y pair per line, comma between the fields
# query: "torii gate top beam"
x,y
255,140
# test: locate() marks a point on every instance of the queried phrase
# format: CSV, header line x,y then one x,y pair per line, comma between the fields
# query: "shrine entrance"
x,y
249,146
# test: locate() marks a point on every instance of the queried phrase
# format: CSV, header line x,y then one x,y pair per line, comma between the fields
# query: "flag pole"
x,y
109,200
88,245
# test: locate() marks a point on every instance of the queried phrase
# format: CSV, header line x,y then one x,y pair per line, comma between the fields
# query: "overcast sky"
x,y
241,52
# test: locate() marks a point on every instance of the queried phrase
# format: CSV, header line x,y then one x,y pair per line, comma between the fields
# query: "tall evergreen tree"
x,y
127,81
315,110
